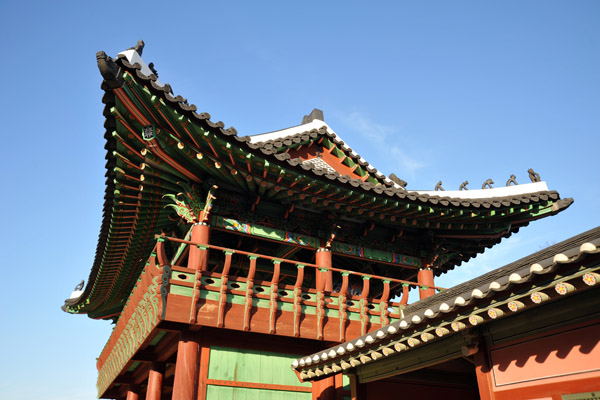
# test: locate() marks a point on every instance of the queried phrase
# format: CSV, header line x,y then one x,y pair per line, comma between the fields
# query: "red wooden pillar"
x,y
155,381
425,278
324,279
485,380
324,389
198,258
133,393
203,380
186,368
339,387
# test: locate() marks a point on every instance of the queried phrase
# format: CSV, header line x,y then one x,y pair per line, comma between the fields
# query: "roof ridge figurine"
x,y
513,180
139,47
397,180
487,184
534,176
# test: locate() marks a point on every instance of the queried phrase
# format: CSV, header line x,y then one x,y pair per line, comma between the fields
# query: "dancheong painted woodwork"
x,y
223,258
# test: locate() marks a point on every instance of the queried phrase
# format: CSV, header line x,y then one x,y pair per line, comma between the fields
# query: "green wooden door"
x,y
248,374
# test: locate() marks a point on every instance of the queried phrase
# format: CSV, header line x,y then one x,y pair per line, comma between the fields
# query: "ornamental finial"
x,y
534,176
110,71
139,47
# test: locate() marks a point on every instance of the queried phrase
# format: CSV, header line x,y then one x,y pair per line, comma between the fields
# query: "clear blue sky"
x,y
436,90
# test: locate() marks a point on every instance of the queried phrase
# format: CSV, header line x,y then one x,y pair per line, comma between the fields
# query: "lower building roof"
x,y
569,267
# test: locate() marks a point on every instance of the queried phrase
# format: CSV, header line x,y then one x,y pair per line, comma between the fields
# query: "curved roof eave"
x,y
131,61
513,194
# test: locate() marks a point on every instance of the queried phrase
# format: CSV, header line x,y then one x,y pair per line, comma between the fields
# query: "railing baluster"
x,y
163,262
342,306
223,288
249,291
383,303
364,311
227,264
298,298
321,300
160,252
195,296
273,299
405,289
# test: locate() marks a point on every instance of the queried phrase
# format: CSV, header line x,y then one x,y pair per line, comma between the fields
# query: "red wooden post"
x,y
203,381
155,381
161,254
133,393
339,387
483,371
324,389
186,368
198,258
425,279
323,259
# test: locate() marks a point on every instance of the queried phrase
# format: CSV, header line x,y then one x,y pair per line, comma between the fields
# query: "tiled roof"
x,y
269,148
150,215
567,267
313,131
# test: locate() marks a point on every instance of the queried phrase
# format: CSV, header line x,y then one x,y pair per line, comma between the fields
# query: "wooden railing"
x,y
171,292
344,299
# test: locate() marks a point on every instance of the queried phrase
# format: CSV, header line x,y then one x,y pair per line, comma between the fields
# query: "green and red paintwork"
x,y
214,299
290,311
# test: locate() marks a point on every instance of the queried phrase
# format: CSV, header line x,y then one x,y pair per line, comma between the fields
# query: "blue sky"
x,y
437,90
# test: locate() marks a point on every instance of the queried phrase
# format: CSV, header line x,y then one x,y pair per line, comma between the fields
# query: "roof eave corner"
x,y
562,205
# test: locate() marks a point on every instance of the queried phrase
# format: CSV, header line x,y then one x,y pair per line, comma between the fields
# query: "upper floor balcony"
x,y
244,291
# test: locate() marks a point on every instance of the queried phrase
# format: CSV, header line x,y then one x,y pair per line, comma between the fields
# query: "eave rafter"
x,y
319,198
379,204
